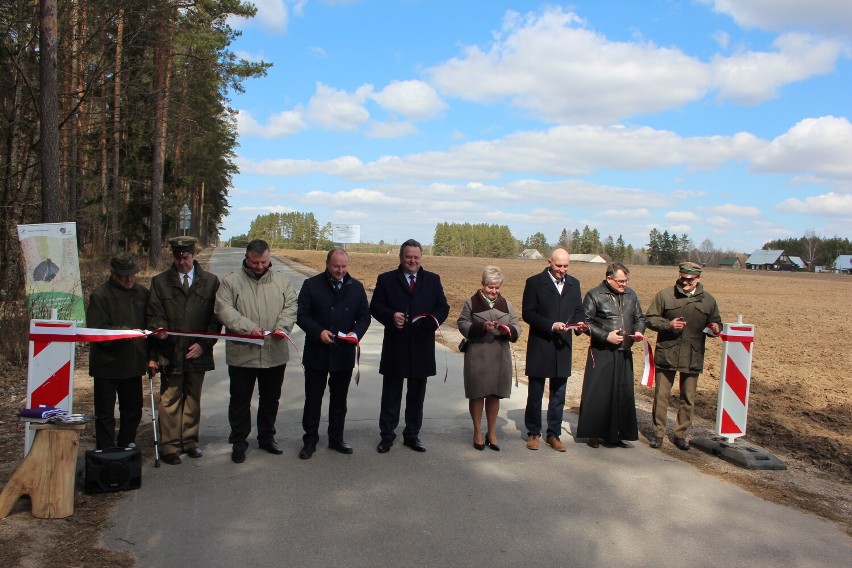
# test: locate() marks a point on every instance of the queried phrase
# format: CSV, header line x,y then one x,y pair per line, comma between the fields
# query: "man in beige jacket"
x,y
254,300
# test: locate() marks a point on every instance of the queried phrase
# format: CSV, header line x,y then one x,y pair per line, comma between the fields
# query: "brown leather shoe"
x,y
593,443
682,444
533,442
555,443
655,442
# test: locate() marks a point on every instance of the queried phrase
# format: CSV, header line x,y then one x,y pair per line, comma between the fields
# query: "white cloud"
x,y
338,110
814,149
396,129
753,77
299,7
720,221
272,15
828,205
818,145
830,16
413,99
722,38
318,52
730,210
558,151
552,65
682,216
248,56
624,213
284,123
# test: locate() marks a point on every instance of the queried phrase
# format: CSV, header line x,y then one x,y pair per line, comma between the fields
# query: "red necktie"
x,y
411,282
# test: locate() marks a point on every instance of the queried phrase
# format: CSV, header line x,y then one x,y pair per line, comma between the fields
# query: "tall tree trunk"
x,y
116,135
202,229
48,102
162,74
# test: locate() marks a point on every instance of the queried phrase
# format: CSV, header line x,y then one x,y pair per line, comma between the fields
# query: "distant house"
x,y
531,254
732,262
843,263
593,258
799,262
770,260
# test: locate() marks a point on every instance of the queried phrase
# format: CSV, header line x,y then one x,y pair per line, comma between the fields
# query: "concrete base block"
x,y
743,455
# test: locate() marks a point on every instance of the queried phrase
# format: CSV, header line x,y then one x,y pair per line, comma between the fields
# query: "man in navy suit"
x,y
551,302
333,311
410,303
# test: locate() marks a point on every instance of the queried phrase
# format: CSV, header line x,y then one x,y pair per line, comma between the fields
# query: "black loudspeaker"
x,y
113,469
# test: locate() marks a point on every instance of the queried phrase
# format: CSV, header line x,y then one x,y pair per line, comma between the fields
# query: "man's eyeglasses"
x,y
619,282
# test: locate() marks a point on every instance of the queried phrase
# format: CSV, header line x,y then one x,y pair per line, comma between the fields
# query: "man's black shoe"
x,y
682,444
171,459
384,446
307,452
195,452
341,447
415,444
271,446
238,453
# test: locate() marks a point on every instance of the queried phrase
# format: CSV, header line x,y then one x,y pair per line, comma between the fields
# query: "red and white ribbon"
x,y
441,334
709,331
650,369
95,335
86,334
353,339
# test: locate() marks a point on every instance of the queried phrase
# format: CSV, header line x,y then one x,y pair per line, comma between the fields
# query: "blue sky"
x,y
726,120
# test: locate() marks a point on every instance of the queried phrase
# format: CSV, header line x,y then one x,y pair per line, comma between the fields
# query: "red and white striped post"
x,y
50,375
732,405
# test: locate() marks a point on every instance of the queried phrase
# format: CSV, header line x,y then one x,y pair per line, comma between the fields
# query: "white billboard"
x,y
346,233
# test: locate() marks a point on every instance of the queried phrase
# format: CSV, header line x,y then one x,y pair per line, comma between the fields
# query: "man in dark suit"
x,y
551,302
332,307
410,303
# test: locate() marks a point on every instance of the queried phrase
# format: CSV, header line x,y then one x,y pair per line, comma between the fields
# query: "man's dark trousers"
x,y
338,388
555,406
129,393
391,401
269,383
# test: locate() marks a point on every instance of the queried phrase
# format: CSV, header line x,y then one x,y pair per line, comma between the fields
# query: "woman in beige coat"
x,y
489,323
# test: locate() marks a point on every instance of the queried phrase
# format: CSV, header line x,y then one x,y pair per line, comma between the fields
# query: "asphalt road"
x,y
453,505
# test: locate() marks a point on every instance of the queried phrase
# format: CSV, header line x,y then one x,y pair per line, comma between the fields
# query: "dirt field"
x,y
800,401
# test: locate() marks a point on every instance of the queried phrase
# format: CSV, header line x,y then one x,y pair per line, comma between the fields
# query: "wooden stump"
x,y
47,474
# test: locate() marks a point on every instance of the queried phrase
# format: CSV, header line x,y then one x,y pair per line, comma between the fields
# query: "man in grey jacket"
x,y
256,300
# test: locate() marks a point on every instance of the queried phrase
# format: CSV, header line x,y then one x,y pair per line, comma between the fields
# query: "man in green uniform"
x,y
680,314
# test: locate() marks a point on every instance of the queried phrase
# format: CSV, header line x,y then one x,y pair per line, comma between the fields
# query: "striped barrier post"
x,y
50,373
732,405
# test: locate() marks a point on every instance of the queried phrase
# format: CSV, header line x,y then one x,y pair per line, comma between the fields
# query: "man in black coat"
x,y
551,302
332,306
118,366
410,303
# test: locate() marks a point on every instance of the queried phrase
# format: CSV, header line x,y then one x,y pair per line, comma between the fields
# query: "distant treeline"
x,y
292,230
465,239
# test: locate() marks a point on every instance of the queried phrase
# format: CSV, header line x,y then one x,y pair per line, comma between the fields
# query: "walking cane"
x,y
154,418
